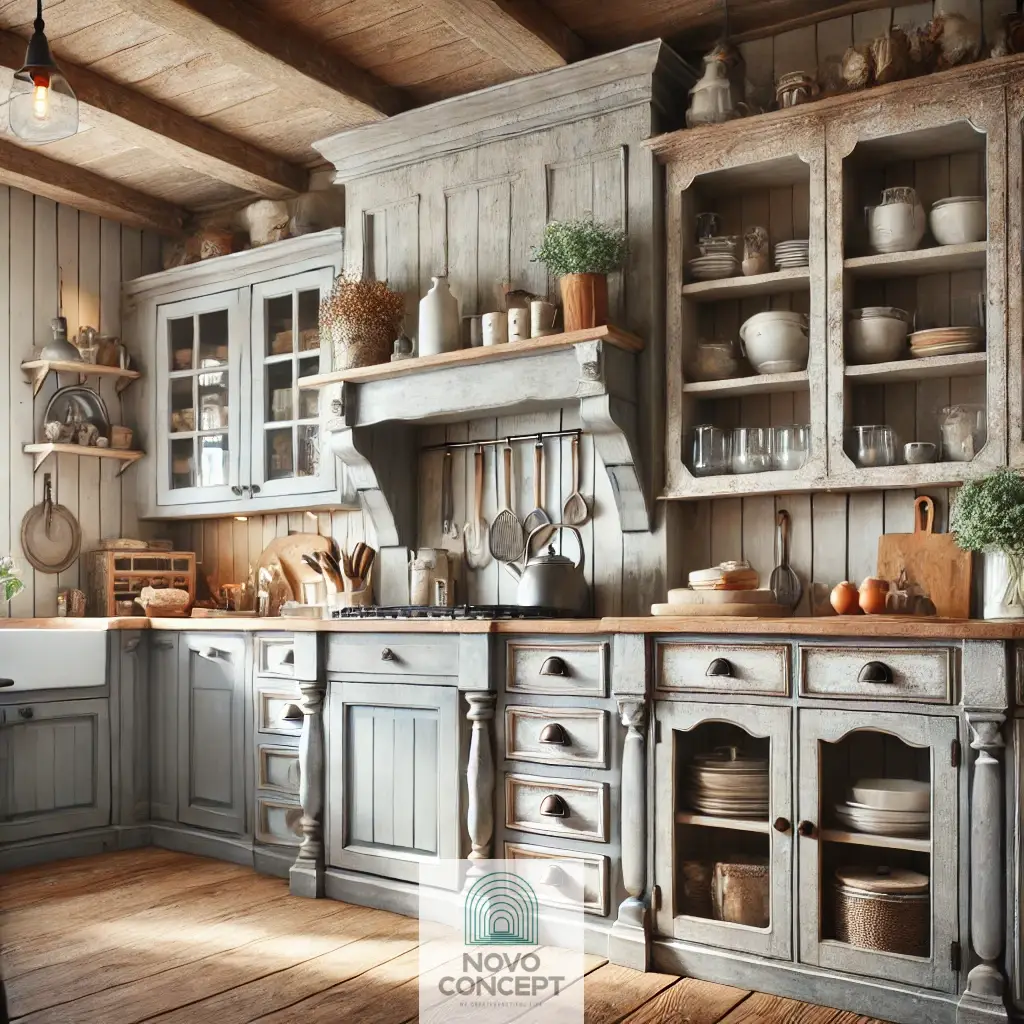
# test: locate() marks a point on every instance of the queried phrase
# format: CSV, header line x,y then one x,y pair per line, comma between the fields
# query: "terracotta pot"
x,y
584,301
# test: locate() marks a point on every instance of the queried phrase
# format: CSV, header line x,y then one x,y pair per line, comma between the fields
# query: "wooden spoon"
x,y
575,511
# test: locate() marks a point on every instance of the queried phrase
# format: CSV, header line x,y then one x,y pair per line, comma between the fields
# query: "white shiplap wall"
x,y
38,236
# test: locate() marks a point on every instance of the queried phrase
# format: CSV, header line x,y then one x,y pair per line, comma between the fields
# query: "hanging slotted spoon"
x,y
575,511
507,539
473,546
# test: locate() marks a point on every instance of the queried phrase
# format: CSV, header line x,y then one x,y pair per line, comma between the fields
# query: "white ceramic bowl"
x,y
959,219
875,339
776,341
893,794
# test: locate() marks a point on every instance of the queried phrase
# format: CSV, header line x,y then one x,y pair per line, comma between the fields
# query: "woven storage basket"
x,y
696,888
893,922
742,892
354,345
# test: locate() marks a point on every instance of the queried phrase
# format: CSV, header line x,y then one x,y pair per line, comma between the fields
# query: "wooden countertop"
x,y
870,627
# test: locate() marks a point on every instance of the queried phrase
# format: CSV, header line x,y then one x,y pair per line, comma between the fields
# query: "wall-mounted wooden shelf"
x,y
41,452
759,384
941,259
37,371
971,364
776,283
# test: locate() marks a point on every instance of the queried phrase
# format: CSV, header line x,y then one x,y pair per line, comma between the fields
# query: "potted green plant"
x,y
582,253
10,581
988,517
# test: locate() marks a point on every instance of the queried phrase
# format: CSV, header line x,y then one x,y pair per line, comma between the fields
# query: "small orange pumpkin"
x,y
844,598
873,592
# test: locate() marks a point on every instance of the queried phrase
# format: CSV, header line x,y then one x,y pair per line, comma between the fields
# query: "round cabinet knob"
x,y
387,654
806,829
26,713
555,666
236,490
555,734
254,488
720,667
553,806
876,672
782,825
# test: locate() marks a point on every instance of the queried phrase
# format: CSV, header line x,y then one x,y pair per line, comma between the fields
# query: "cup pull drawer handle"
x,y
4,683
555,734
877,673
387,654
555,666
213,654
291,713
25,713
721,667
553,806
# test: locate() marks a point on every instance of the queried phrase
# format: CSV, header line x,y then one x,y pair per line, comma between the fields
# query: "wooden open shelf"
x,y
735,824
776,283
971,364
759,384
834,835
37,371
474,356
42,452
941,259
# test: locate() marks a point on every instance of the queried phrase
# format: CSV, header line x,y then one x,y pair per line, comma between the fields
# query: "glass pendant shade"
x,y
43,106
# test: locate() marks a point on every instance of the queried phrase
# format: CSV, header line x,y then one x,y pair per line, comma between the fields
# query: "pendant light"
x,y
43,106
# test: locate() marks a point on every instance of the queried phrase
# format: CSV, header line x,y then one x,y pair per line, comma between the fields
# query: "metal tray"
x,y
83,403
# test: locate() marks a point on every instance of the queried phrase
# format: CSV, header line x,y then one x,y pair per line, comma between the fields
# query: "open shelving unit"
x,y
37,370
41,452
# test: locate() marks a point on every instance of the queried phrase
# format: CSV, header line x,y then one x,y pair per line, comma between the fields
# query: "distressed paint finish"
x,y
307,873
480,776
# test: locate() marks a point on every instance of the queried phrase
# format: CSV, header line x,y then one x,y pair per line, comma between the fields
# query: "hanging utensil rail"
x,y
542,436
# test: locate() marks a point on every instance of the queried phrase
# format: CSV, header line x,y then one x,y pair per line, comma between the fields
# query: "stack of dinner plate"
x,y
887,807
789,255
727,784
946,341
714,266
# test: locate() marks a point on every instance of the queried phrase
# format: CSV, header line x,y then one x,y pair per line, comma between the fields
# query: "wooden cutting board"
x,y
683,595
289,551
703,611
932,560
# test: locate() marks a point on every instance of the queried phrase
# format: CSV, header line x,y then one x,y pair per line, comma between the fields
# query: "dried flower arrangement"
x,y
360,319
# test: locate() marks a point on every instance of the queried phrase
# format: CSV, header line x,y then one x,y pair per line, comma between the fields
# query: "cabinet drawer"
x,y
275,656
723,668
577,669
277,768
278,821
383,654
878,673
278,711
594,876
557,807
557,735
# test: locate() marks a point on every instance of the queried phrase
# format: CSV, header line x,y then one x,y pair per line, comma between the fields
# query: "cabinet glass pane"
x,y
280,391
279,453
213,401
181,333
279,339
182,463
213,338
183,413
213,460
309,451
723,846
309,320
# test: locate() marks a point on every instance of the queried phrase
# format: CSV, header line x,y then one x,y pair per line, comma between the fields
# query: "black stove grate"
x,y
462,611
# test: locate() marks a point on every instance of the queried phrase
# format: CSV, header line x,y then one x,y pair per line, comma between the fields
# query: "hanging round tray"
x,y
50,535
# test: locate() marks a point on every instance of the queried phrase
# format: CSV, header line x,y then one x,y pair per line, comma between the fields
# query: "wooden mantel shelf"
x,y
38,369
373,413
475,356
43,451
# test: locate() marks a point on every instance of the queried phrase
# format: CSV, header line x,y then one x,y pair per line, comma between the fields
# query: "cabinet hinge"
x,y
656,897
954,754
954,956
657,730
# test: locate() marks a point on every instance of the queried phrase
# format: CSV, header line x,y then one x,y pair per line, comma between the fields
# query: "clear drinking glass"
x,y
751,449
871,446
711,450
792,447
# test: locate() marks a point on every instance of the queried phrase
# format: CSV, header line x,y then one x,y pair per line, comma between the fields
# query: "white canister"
x,y
1002,592
439,320
542,318
518,324
419,582
495,328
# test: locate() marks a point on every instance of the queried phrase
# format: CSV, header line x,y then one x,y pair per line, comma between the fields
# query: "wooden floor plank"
x,y
689,1000
760,1008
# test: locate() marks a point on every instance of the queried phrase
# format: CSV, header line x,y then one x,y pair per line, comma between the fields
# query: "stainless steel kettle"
x,y
550,580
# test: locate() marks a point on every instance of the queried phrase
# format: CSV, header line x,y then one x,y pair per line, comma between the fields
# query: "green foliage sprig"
x,y
581,247
10,582
988,514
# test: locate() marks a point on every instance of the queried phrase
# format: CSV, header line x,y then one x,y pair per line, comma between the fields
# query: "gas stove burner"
x,y
459,612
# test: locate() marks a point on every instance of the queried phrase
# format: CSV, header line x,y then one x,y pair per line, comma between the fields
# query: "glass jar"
x,y
964,431
711,450
751,449
791,447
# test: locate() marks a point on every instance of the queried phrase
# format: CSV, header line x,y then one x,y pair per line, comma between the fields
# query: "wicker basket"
x,y
355,345
742,892
696,888
890,922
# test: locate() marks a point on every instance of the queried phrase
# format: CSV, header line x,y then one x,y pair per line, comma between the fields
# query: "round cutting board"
x,y
707,611
683,595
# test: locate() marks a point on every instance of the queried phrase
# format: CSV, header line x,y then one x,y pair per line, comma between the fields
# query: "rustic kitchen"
x,y
538,431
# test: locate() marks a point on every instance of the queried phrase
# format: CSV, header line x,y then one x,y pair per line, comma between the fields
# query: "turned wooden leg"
x,y
480,776
306,877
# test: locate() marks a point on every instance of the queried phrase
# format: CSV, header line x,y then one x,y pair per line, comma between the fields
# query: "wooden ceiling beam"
x,y
64,183
150,125
277,52
523,34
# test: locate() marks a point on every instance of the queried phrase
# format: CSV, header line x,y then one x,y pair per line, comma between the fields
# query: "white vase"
x,y
439,320
1002,587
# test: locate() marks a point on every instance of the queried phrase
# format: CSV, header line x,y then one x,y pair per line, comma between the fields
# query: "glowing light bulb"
x,y
41,102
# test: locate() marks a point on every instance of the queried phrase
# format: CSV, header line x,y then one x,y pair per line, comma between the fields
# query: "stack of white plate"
x,y
789,255
714,266
727,784
946,341
887,807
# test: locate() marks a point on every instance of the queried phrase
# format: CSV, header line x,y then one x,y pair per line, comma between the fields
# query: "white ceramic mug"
x,y
518,324
542,318
476,333
495,329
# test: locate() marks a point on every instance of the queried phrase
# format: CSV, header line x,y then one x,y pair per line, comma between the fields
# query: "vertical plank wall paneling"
x,y
40,242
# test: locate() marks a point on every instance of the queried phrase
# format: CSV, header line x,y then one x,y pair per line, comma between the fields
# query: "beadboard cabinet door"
x,y
393,777
211,723
54,768
163,726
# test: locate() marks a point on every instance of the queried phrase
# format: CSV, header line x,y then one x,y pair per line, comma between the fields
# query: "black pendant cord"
x,y
39,24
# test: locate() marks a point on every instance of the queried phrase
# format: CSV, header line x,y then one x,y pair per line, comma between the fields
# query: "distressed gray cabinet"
x,y
393,776
211,731
163,726
54,768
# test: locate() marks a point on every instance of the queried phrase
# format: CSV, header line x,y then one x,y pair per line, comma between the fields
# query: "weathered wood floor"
x,y
152,935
